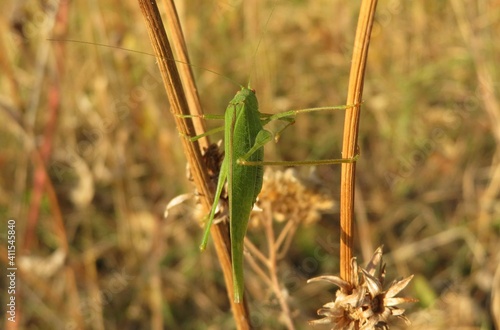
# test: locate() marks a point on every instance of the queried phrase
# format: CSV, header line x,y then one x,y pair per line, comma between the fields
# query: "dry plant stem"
x,y
40,177
270,262
255,252
285,239
58,220
185,70
179,106
351,124
42,182
273,271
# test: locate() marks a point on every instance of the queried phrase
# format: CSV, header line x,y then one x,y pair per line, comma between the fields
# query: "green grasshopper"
x,y
242,168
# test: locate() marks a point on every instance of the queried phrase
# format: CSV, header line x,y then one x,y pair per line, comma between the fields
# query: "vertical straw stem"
x,y
179,106
350,140
185,70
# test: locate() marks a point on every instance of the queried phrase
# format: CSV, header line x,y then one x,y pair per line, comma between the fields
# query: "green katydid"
x,y
242,168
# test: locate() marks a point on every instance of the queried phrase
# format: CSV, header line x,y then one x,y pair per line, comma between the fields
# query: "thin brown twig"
x,y
179,107
284,242
268,271
185,70
255,252
54,96
273,271
284,232
350,140
255,266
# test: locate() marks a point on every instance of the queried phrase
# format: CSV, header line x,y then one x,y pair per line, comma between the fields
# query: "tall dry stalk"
x,y
362,301
179,106
351,125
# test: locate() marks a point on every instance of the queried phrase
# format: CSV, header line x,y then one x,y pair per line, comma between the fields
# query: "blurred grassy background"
x,y
94,250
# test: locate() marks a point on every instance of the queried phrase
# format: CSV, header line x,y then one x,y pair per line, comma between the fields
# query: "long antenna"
x,y
143,53
262,34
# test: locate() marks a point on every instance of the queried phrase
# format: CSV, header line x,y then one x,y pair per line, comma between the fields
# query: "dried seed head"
x,y
293,197
362,303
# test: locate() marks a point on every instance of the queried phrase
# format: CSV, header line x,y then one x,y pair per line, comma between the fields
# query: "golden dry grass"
x,y
93,248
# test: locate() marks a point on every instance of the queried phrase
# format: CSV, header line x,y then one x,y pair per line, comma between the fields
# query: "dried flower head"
x,y
212,158
293,196
361,302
